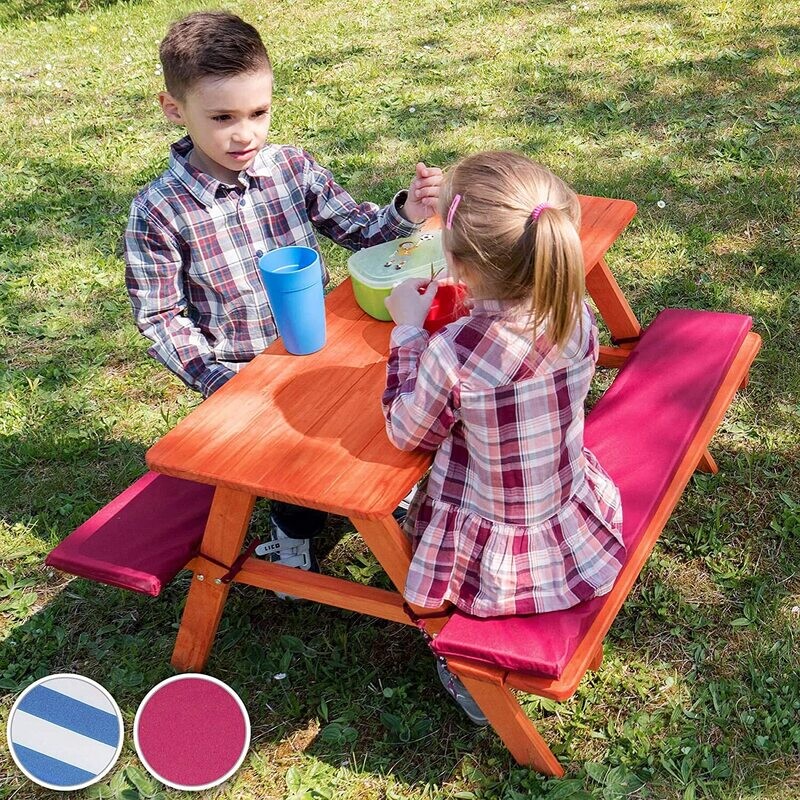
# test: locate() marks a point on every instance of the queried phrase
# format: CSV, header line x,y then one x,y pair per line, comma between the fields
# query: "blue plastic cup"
x,y
293,280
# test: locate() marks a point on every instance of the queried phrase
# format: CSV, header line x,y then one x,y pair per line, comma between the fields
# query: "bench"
x,y
142,538
650,431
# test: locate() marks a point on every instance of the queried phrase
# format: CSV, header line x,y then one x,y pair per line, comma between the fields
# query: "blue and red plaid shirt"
x,y
192,246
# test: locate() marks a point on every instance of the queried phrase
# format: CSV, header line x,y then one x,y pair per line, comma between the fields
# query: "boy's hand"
x,y
410,301
423,194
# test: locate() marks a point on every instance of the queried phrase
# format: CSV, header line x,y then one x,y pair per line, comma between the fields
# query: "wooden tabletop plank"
x,y
286,426
356,432
309,429
243,404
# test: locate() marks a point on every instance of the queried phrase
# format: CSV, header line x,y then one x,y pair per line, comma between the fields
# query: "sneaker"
x,y
459,693
288,552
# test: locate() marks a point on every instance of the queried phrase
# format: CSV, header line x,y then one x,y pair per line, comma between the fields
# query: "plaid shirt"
x,y
192,247
516,516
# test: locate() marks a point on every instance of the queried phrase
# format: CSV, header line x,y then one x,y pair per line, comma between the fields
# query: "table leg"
x,y
392,548
506,716
603,288
222,543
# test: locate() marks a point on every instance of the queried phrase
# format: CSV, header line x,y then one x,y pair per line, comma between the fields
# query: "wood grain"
x,y
309,429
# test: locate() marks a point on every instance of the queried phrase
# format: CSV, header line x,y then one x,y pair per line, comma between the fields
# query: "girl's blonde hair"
x,y
506,254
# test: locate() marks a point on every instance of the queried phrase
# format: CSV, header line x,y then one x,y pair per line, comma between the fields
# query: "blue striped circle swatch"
x,y
65,732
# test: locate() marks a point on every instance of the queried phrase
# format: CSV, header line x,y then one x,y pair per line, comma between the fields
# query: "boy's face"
x,y
227,118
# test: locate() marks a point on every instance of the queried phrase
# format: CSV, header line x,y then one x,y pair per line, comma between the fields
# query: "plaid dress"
x,y
516,516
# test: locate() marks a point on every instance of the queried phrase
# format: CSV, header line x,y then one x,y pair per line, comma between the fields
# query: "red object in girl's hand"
x,y
447,306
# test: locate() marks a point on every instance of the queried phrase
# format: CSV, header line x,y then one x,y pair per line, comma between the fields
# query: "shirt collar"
x,y
202,186
504,308
261,167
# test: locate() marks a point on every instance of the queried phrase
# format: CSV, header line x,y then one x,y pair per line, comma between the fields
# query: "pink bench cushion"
x,y
142,538
639,431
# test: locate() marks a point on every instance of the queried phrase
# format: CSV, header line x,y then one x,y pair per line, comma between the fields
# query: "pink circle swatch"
x,y
191,732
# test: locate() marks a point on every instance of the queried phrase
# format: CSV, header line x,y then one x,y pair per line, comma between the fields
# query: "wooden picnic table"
x,y
309,430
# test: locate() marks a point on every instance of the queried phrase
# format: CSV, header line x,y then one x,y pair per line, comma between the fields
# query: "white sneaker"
x,y
406,501
286,551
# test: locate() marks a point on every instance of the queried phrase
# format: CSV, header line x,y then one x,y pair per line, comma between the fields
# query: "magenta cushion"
x,y
192,732
142,538
639,431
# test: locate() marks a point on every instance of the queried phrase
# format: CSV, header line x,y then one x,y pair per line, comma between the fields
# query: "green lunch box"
x,y
375,271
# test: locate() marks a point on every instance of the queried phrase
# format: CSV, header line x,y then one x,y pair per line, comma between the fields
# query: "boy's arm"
x,y
154,278
335,214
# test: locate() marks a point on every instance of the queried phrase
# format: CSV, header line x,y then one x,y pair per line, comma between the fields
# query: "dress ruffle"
x,y
489,568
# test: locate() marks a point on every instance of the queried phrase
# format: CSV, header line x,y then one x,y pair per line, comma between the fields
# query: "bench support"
x,y
222,542
324,589
613,357
506,716
392,548
707,464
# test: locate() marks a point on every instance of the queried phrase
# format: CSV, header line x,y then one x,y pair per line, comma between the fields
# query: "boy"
x,y
195,234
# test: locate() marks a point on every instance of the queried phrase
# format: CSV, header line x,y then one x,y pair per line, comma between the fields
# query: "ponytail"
x,y
554,247
512,229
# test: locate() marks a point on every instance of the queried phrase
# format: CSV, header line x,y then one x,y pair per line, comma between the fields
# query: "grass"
x,y
690,109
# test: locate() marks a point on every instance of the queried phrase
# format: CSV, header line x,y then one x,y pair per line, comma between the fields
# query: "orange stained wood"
x,y
222,542
597,658
309,429
507,717
602,221
707,464
613,357
603,288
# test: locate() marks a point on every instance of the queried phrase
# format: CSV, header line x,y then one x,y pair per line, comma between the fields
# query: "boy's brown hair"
x,y
506,252
209,44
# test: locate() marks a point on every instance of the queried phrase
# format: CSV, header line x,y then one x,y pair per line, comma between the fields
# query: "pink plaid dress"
x,y
516,516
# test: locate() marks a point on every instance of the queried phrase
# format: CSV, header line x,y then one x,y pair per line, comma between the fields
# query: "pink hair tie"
x,y
453,206
538,210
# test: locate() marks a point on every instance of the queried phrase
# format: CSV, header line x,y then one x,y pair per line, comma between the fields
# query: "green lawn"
x,y
690,109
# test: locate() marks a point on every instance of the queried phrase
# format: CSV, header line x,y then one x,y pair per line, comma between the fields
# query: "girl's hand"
x,y
410,301
423,194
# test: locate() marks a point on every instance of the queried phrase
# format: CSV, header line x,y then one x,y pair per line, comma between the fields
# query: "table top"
x,y
309,429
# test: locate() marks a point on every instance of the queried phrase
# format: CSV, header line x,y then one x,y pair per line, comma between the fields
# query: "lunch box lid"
x,y
383,266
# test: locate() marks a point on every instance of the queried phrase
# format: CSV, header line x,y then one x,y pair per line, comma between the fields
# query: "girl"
x,y
516,516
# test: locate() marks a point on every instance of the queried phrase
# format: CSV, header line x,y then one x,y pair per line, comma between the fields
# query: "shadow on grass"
x,y
72,204
16,11
302,671
363,694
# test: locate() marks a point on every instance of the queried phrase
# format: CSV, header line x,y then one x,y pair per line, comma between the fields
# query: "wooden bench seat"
x,y
650,431
142,538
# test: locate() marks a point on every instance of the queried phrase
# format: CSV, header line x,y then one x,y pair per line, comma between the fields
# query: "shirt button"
x,y
242,202
259,253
